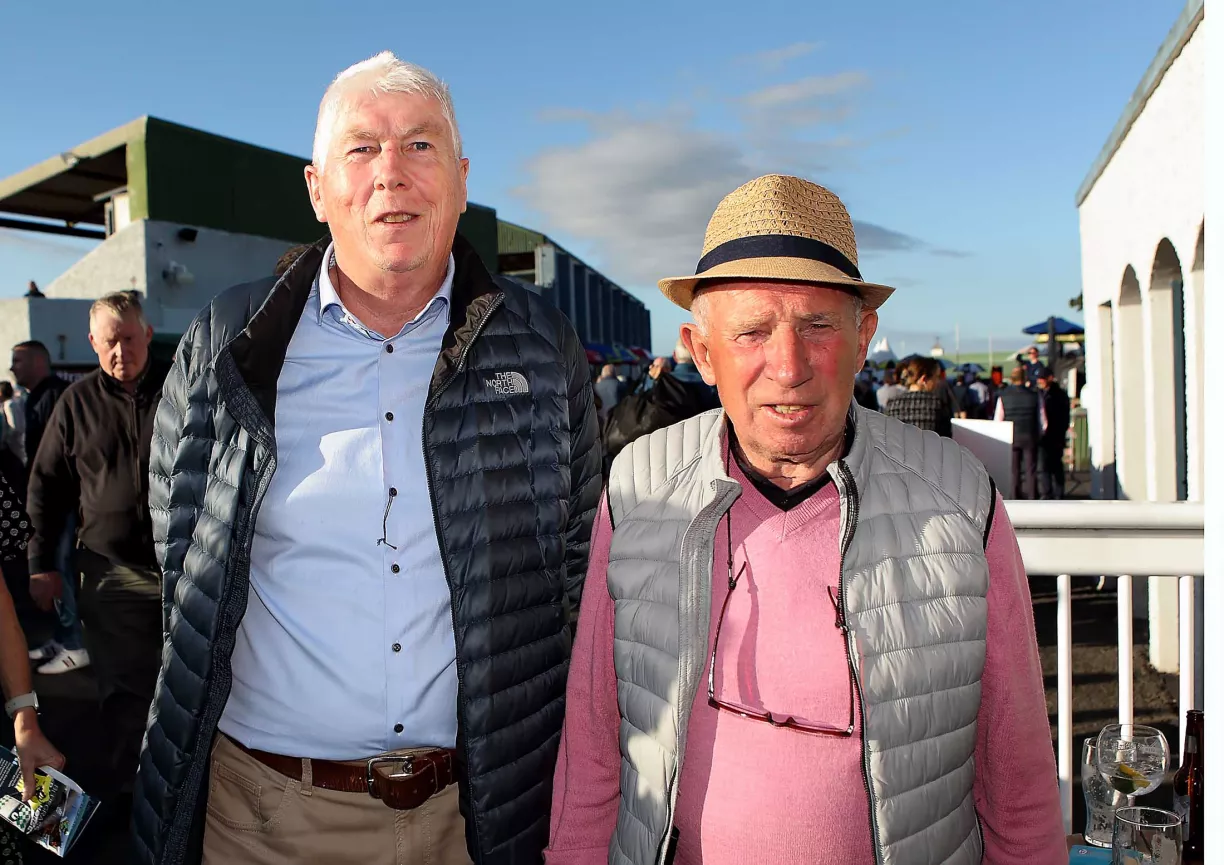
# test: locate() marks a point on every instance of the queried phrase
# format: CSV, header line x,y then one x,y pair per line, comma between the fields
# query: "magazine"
x,y
57,814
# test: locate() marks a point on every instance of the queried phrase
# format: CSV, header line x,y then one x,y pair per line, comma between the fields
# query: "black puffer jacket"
x,y
514,478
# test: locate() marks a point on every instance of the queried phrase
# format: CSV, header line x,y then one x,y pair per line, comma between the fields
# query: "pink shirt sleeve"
x,y
1016,788
586,786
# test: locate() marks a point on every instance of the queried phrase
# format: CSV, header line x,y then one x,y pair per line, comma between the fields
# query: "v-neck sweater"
x,y
750,792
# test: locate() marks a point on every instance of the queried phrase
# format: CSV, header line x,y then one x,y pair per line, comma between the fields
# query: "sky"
x,y
957,133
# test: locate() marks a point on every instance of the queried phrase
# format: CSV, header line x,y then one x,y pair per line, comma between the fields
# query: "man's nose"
x,y
787,359
391,170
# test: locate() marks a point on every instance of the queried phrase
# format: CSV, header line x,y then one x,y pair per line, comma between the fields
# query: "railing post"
x,y
1126,651
1187,631
1066,768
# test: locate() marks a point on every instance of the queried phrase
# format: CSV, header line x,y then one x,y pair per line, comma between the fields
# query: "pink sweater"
x,y
753,793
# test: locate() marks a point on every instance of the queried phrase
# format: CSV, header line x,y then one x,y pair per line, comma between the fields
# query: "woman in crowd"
x,y
921,405
33,749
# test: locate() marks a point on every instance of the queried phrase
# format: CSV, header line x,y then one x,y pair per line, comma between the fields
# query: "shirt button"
x,y
399,728
395,647
393,491
389,416
395,569
390,348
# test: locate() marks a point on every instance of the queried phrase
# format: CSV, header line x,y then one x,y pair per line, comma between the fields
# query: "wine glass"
x,y
1133,758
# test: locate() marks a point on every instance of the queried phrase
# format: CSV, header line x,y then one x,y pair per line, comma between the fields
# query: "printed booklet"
x,y
57,814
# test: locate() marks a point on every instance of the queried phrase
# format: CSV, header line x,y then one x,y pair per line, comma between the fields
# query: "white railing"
x,y
1123,540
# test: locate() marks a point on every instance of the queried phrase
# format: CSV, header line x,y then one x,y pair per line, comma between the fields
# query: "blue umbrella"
x,y
1062,327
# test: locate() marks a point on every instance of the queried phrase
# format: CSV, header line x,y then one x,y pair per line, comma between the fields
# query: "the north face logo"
x,y
508,383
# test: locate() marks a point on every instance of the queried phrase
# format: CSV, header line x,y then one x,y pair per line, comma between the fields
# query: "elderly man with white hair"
x,y
806,634
372,483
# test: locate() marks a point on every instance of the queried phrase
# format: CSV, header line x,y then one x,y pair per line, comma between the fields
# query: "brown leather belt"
x,y
402,782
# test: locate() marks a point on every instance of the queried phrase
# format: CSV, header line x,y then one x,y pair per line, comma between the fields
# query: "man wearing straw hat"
x,y
806,633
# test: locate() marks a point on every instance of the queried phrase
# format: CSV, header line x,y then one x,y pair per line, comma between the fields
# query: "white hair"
x,y
681,353
382,73
700,312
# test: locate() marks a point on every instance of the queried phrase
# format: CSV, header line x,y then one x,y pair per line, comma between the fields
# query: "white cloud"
x,y
639,190
774,59
804,90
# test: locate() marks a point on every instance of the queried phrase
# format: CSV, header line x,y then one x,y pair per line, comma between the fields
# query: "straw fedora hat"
x,y
782,228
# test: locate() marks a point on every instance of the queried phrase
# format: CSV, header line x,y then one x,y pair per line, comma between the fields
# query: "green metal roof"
x,y
172,173
513,238
1182,30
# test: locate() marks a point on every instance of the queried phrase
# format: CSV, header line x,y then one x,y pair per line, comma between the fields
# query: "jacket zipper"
x,y
852,506
433,507
176,841
134,430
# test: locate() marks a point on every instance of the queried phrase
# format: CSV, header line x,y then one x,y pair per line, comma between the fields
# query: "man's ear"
x,y
871,320
699,348
314,188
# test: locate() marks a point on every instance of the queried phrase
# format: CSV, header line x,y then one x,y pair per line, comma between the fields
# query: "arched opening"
x,y
1196,372
1105,459
1130,426
1166,351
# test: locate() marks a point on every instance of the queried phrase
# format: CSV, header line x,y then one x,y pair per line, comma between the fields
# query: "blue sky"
x,y
956,132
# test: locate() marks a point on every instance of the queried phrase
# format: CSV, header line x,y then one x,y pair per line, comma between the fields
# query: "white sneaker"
x,y
45,652
65,661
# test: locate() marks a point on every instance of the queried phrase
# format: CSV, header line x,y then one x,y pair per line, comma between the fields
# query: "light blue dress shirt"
x,y
347,649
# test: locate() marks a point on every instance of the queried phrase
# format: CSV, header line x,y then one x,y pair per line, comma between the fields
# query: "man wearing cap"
x,y
806,633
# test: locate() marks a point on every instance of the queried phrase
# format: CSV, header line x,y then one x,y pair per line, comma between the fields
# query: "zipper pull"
x,y
837,612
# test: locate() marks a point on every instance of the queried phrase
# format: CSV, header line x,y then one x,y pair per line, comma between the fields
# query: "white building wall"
x,y
115,264
59,324
216,261
1151,189
150,256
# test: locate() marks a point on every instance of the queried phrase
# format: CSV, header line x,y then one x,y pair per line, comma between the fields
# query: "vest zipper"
x,y
430,404
176,840
711,515
852,506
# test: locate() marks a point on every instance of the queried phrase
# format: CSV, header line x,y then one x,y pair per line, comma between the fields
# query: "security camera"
x,y
178,274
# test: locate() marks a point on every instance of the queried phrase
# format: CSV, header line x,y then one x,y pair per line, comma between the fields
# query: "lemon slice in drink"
x,y
1129,781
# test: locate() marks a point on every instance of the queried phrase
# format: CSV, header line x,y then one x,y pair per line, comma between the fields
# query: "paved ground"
x,y
71,721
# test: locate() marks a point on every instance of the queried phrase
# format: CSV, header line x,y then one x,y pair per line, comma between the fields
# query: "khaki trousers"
x,y
257,816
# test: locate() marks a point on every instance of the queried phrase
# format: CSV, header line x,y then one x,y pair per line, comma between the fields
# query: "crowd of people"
x,y
922,391
431,622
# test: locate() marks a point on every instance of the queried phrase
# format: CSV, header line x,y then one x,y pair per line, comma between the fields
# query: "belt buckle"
x,y
408,769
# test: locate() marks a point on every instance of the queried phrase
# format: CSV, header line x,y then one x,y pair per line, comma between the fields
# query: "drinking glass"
x,y
1100,799
1146,836
1132,758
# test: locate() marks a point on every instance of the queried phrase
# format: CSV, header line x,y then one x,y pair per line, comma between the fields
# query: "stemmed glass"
x,y
1101,800
1133,758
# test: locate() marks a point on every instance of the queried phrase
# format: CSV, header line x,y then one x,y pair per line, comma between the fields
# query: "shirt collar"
x,y
328,297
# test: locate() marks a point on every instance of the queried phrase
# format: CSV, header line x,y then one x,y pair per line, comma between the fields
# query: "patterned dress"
x,y
14,533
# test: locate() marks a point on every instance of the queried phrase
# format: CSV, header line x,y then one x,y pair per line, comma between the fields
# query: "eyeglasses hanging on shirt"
x,y
391,494
776,720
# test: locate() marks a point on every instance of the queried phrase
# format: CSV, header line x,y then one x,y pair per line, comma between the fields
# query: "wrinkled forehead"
x,y
365,112
732,297
107,321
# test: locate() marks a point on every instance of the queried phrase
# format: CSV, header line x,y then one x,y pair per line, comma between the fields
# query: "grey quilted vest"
x,y
915,509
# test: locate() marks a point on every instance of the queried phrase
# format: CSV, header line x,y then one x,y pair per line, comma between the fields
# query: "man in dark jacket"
x,y
31,368
65,651
686,371
1025,409
373,484
94,461
1051,474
